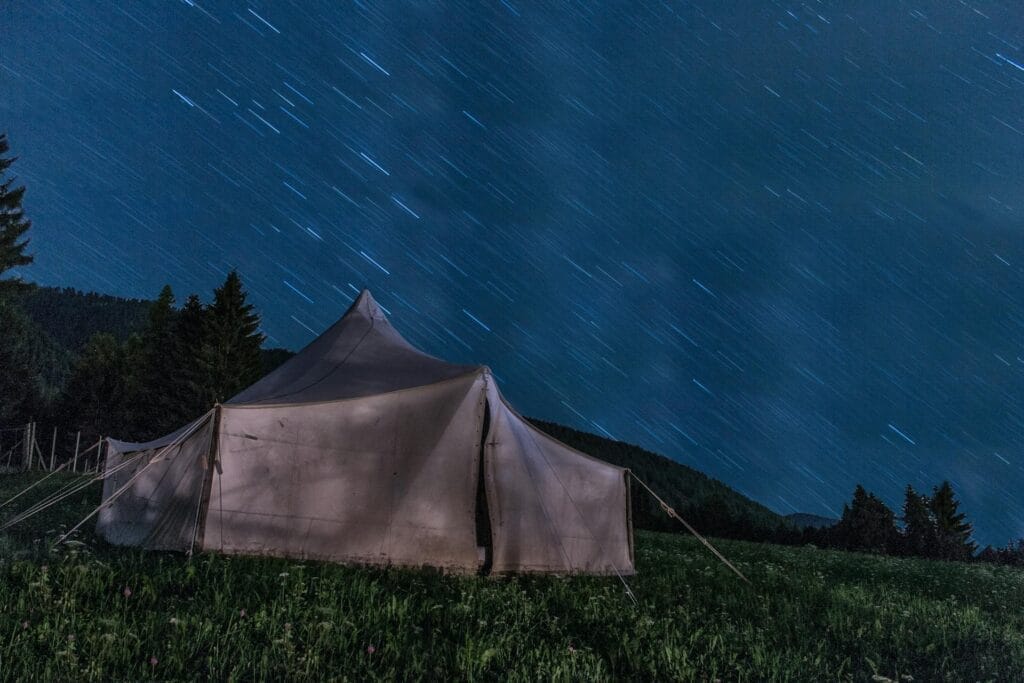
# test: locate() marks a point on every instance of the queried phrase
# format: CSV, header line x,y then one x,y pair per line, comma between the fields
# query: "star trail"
x,y
778,242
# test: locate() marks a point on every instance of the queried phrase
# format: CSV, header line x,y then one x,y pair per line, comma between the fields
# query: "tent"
x,y
363,449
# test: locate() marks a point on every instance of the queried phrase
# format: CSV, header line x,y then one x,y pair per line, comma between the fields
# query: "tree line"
x,y
932,526
181,364
173,370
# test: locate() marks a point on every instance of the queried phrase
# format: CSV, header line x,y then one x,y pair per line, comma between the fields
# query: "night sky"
x,y
778,242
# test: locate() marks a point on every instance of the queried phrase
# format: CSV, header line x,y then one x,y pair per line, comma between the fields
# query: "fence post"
x,y
35,445
27,461
53,447
78,440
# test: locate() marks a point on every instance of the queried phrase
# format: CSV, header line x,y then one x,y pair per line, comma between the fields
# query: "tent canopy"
x,y
363,449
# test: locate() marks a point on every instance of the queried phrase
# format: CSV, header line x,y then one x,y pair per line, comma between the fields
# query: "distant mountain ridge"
x,y
805,520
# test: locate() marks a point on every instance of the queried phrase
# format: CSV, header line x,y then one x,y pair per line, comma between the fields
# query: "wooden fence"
x,y
28,447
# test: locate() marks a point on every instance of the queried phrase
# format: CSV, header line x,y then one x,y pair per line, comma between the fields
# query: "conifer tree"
x,y
919,537
187,357
153,373
231,344
13,224
19,382
867,524
953,531
95,398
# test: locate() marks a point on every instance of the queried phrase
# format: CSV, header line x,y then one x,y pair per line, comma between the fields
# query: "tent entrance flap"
x,y
483,514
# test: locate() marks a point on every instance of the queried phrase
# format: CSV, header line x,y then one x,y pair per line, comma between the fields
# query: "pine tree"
x,y
919,536
189,334
231,344
20,393
953,531
153,372
867,524
13,224
95,399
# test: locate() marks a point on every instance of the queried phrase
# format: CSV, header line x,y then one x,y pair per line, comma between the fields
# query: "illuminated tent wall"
x,y
363,449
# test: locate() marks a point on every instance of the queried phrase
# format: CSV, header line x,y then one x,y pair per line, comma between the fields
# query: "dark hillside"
x,y
70,317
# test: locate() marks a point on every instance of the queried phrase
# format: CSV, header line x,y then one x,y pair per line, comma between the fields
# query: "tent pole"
x,y
53,447
78,441
199,532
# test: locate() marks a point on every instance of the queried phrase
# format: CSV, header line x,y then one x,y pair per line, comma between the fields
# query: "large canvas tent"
x,y
363,449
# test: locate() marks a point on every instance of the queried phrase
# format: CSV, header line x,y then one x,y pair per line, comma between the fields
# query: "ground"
x,y
87,611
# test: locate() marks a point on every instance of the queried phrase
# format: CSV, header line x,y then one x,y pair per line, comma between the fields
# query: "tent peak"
x,y
367,306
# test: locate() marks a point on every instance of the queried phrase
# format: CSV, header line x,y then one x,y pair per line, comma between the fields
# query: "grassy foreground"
x,y
91,612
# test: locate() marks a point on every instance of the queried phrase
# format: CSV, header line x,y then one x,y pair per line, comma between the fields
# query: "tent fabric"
x,y
363,449
360,355
552,508
158,511
378,480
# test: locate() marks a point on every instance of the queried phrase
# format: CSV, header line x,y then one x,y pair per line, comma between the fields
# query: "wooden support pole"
x,y
78,440
28,446
53,447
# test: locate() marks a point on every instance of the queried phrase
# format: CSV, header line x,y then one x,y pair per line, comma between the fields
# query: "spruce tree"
x,y
13,224
919,537
153,373
20,393
187,357
953,531
95,398
231,344
867,524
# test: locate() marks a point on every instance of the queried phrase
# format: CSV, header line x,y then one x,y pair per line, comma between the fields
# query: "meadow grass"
x,y
87,611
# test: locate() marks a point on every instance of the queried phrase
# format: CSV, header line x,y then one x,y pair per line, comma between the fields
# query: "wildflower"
x,y
71,638
241,613
127,592
287,626
572,650
370,649
24,625
173,621
153,660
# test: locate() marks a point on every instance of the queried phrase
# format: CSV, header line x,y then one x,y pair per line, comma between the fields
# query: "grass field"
x,y
91,612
